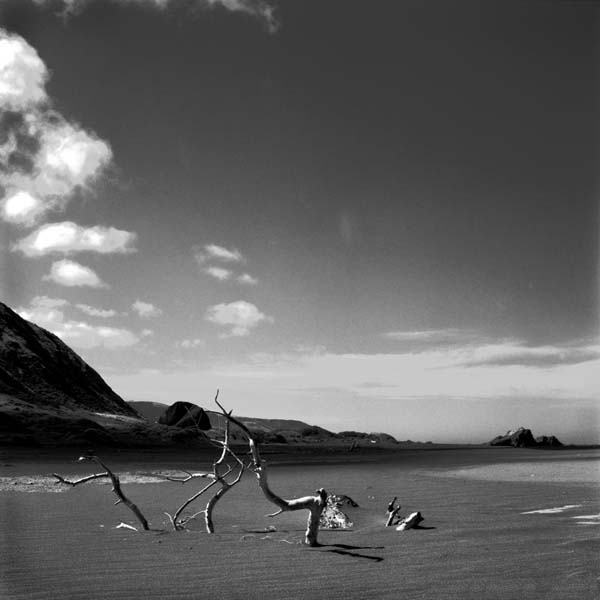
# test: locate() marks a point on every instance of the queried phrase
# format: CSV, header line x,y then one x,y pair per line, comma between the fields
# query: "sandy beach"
x,y
498,524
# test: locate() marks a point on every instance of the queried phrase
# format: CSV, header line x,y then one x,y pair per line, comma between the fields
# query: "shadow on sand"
x,y
345,549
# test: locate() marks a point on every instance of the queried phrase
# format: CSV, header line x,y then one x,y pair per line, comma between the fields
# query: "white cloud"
x,y
146,310
434,337
21,207
147,333
189,344
72,274
23,74
214,252
247,279
96,312
68,237
83,335
46,302
65,158
241,316
218,273
44,157
46,313
262,10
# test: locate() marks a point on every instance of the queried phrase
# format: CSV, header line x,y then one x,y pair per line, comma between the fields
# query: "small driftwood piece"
x,y
314,504
401,523
116,487
392,513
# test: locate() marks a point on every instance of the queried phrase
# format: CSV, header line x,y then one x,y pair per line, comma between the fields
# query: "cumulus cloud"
x,y
44,158
247,279
213,252
96,312
23,74
49,314
240,316
72,274
259,9
218,273
146,310
68,237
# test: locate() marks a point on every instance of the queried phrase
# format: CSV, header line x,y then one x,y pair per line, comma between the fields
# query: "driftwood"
x,y
410,522
314,504
401,523
392,513
218,478
116,487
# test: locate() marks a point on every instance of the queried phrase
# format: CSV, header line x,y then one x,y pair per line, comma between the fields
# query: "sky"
x,y
372,216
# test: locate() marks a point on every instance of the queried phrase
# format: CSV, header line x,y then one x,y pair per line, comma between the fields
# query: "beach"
x,y
499,523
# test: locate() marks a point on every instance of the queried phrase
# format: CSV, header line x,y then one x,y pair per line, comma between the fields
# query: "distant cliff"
x,y
37,367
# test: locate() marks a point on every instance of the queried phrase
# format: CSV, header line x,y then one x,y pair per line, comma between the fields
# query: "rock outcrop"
x,y
523,438
548,441
37,367
185,414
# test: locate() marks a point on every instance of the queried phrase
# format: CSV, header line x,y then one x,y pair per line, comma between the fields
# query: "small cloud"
x,y
147,333
261,9
46,312
46,302
241,316
72,274
218,273
247,279
190,344
68,237
214,252
436,337
146,310
96,312
21,207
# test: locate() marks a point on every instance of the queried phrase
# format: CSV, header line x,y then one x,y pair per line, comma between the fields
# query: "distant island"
x,y
523,438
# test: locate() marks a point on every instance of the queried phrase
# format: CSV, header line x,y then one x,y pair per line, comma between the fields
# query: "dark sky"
x,y
383,167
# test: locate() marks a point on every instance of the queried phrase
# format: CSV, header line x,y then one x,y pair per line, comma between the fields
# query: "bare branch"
x,y
78,481
189,477
119,492
392,513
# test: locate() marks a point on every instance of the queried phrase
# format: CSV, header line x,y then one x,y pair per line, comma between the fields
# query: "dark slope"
x,y
37,367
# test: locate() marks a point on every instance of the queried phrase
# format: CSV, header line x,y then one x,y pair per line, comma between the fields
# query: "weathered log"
x,y
410,522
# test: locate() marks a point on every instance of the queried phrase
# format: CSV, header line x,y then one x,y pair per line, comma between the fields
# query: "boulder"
x,y
185,414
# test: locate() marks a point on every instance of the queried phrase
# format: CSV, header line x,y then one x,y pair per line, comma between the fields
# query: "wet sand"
x,y
483,534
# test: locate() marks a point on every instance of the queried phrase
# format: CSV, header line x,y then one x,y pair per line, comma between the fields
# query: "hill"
x,y
38,368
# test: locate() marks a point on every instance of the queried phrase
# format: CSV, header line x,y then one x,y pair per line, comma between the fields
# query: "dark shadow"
x,y
423,527
344,549
355,554
350,547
